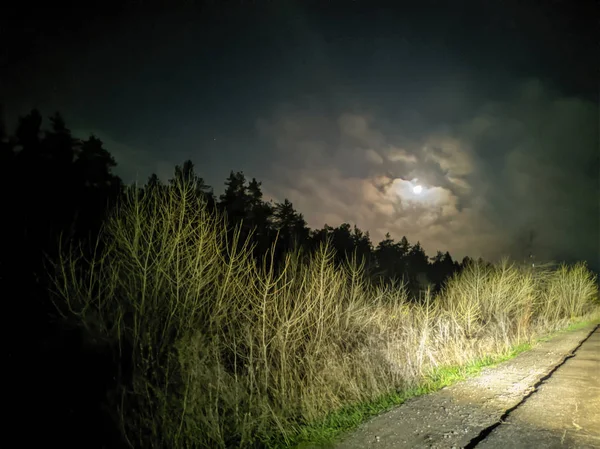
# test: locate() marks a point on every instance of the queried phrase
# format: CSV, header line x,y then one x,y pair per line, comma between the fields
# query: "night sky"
x,y
342,107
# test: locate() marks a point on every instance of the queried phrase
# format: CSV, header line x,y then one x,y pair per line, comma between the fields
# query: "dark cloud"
x,y
344,106
510,167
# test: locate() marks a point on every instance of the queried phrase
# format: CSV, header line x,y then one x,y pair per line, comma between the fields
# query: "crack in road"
x,y
468,414
488,430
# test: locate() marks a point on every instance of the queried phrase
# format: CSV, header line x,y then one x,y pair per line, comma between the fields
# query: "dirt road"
x,y
548,397
563,413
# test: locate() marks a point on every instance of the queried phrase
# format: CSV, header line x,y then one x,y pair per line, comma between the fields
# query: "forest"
x,y
166,315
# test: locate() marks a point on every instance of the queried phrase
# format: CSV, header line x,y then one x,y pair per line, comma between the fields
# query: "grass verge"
x,y
324,434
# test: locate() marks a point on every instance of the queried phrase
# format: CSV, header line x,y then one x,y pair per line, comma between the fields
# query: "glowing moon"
x,y
417,189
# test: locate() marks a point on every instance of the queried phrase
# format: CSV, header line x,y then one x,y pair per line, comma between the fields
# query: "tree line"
x,y
55,188
280,227
58,185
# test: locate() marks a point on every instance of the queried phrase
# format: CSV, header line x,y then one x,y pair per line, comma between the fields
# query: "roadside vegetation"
x,y
214,349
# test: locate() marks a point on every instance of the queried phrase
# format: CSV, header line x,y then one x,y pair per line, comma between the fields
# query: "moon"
x,y
417,189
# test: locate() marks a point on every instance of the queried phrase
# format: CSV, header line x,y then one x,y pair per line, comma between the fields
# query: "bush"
x,y
216,350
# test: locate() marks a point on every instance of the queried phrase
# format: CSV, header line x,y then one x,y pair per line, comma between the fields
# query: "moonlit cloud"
x,y
400,155
486,180
373,157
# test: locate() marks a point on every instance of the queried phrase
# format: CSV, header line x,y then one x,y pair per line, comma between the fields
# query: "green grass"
x,y
576,325
324,433
580,325
447,375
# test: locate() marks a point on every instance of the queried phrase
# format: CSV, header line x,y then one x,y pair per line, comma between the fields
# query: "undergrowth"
x,y
216,350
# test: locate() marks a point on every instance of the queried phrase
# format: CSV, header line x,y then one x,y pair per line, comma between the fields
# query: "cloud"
x,y
450,154
400,155
527,162
373,156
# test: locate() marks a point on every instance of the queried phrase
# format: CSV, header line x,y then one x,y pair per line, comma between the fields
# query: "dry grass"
x,y
218,351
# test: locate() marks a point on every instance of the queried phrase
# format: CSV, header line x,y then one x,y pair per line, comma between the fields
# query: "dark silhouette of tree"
x,y
347,242
236,204
484,263
342,241
402,265
441,268
64,184
53,186
318,237
266,223
259,218
418,268
185,175
28,133
235,200
290,226
404,247
154,182
363,248
393,260
58,147
385,254
98,187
